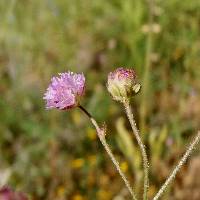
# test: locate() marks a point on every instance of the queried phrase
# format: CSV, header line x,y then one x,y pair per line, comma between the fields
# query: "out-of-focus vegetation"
x,y
56,155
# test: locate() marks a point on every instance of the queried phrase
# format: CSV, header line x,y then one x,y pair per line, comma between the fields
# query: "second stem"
x,y
142,147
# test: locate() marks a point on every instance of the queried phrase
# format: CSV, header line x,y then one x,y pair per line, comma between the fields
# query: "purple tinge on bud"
x,y
122,73
65,91
122,84
7,193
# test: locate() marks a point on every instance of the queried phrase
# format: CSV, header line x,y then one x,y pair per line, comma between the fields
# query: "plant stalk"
x,y
178,167
101,134
141,145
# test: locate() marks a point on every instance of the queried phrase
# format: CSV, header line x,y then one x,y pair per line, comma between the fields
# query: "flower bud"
x,y
122,84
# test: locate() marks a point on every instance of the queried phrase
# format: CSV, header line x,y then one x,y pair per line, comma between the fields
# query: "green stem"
x,y
178,167
141,145
145,85
101,132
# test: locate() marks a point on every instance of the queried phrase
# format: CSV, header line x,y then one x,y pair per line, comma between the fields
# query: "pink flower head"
x,y
122,73
122,84
65,91
7,193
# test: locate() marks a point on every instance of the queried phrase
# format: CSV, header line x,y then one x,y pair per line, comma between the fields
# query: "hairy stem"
x,y
142,147
178,167
101,132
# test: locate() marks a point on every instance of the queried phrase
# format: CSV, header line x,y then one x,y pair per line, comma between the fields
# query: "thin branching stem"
x,y
141,145
178,167
101,132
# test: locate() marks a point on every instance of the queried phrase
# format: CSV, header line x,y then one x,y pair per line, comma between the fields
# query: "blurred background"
x,y
57,155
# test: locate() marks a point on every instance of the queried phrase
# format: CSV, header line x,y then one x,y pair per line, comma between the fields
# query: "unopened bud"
x,y
122,84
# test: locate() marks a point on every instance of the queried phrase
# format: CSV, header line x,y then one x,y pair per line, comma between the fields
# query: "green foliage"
x,y
55,155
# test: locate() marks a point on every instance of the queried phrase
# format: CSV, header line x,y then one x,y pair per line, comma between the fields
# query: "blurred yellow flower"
x,y
91,134
78,163
78,197
60,191
124,166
